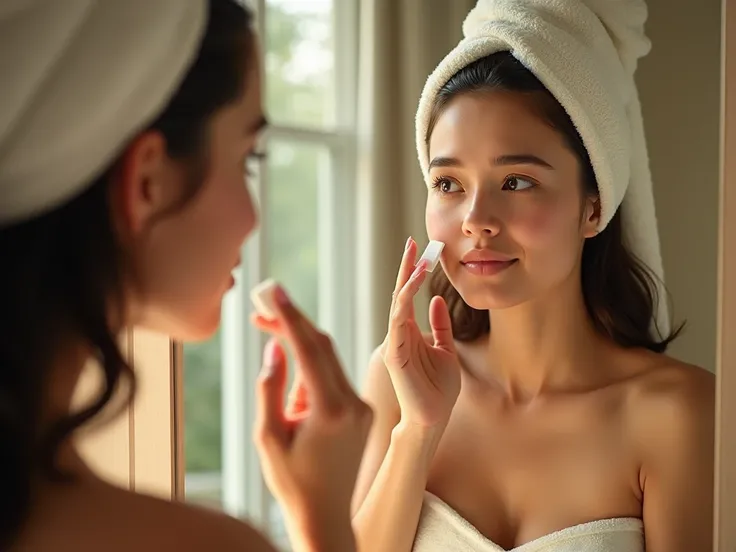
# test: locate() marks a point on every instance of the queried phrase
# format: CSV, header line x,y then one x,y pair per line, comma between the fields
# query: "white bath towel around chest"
x,y
442,529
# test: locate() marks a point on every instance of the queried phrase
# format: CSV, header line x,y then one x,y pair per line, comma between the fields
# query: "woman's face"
x,y
507,200
183,258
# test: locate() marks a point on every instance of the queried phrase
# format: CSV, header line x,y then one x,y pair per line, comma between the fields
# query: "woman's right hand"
x,y
310,458
425,372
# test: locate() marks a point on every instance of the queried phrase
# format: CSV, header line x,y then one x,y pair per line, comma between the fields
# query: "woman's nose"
x,y
481,219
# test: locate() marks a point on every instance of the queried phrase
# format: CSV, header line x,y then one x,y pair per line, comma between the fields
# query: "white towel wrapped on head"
x,y
585,52
79,79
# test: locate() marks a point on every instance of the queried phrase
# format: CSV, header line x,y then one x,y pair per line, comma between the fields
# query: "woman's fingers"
x,y
314,353
404,307
276,327
268,325
406,268
270,427
298,401
441,324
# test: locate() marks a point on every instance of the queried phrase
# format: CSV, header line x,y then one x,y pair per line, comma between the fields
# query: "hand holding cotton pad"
x,y
432,254
262,294
262,298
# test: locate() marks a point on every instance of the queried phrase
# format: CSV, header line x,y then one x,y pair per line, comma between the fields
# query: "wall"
x,y
679,83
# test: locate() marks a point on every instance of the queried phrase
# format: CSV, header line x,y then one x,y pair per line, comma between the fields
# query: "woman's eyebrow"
x,y
501,160
521,159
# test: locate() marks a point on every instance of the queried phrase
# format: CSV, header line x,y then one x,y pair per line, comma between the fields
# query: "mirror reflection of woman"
x,y
541,413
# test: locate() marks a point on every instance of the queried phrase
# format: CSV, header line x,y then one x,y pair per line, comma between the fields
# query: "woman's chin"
x,y
203,330
188,328
487,300
198,334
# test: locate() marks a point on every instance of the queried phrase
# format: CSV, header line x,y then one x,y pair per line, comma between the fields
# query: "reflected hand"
x,y
425,372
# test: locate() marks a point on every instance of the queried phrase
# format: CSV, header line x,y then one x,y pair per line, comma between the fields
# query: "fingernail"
x,y
270,358
408,243
280,297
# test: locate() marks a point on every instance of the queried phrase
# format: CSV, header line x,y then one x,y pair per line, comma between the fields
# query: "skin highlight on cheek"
x,y
541,227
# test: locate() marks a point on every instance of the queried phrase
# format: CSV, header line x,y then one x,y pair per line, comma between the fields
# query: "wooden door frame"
x,y
725,477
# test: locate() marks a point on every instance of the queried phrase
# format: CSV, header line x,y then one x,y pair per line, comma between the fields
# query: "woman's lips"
x,y
487,268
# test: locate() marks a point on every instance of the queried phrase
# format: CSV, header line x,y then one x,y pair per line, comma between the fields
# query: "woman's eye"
x,y
445,185
248,167
516,183
252,162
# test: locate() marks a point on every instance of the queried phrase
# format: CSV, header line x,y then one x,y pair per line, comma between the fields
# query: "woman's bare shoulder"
x,y
671,404
104,517
661,378
198,528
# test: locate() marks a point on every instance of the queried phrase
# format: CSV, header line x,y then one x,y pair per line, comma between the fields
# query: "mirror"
x,y
687,86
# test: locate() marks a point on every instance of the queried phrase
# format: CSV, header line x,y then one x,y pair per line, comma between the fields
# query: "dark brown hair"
x,y
62,271
620,292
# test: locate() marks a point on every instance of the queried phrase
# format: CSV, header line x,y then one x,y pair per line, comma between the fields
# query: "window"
x,y
305,191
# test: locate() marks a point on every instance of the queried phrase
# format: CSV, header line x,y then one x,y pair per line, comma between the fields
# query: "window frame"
x,y
725,469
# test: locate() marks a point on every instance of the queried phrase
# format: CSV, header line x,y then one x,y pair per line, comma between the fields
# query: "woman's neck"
x,y
545,344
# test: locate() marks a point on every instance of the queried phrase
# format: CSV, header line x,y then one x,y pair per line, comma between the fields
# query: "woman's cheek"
x,y
537,227
441,223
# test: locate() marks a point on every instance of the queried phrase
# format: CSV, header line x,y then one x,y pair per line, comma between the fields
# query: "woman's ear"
x,y
144,183
592,216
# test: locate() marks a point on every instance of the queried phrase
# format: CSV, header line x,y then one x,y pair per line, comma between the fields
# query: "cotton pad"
x,y
262,297
432,254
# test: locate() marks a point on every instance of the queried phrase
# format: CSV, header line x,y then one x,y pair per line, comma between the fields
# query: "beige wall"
x,y
679,83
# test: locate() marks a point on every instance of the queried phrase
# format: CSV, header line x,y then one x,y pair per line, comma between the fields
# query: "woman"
x,y
541,414
124,130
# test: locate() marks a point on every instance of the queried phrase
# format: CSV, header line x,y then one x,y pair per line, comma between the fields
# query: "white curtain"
x,y
401,42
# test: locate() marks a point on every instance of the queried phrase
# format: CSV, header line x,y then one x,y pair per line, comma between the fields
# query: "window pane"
x,y
299,62
294,173
202,421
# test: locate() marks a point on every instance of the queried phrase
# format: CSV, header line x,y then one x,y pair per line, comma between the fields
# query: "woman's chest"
x,y
520,473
